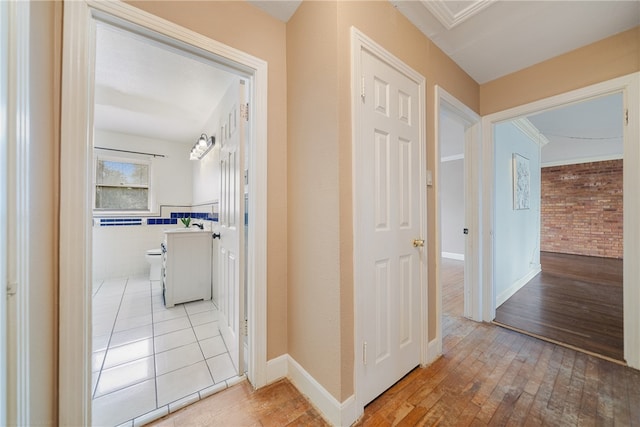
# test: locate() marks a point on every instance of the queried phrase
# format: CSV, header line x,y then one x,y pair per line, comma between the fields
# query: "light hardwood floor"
x,y
487,375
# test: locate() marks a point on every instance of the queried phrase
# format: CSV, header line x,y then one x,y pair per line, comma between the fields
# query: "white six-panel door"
x,y
231,215
389,226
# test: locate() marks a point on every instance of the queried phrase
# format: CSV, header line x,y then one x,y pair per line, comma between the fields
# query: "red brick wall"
x,y
581,209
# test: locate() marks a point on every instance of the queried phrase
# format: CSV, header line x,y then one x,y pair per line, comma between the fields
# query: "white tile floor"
x,y
149,360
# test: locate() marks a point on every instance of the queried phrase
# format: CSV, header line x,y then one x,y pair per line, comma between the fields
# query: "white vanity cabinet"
x,y
186,266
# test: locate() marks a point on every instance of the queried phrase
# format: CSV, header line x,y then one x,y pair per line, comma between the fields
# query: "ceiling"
x,y
148,89
489,39
583,131
143,88
492,38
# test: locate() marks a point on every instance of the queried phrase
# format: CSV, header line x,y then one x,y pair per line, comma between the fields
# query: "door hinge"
x,y
11,288
626,117
364,353
245,328
362,89
244,111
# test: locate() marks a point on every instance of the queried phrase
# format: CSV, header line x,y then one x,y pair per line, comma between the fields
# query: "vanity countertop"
x,y
186,230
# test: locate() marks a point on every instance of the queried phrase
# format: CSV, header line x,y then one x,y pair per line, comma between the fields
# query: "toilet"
x,y
154,258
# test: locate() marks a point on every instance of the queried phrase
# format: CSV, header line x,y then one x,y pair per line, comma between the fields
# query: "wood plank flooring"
x,y
452,279
487,376
575,300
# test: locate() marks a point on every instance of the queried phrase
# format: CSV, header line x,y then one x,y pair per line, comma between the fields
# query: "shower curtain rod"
x,y
132,152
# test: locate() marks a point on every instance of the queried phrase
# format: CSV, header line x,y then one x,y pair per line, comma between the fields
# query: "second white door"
x,y
231,252
389,226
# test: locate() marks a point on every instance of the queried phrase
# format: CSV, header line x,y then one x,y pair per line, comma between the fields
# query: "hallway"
x,y
487,375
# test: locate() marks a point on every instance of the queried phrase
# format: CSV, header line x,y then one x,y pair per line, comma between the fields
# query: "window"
x,y
122,185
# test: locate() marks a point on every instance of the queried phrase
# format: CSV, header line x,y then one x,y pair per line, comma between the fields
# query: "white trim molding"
x,y
450,19
277,368
530,130
16,404
76,150
434,350
582,160
452,158
629,86
451,255
6,107
336,413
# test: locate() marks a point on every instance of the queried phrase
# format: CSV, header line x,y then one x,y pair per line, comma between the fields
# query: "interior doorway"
x,y
159,302
628,86
573,267
75,294
458,133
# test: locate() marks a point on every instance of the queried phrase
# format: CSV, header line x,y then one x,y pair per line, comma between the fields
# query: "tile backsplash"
x,y
172,219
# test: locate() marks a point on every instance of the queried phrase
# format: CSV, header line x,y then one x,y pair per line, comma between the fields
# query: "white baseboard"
x,y
277,368
451,255
336,413
434,350
508,293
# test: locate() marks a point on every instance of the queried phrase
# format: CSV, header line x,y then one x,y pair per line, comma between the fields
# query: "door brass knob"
x,y
418,243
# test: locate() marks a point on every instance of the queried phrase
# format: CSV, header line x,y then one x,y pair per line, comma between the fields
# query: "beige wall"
x,y
244,27
314,221
612,57
321,315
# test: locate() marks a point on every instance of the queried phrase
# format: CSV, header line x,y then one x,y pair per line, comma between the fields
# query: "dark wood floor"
x,y
487,376
575,300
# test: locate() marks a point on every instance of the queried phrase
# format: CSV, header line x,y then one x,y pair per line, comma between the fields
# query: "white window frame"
x,y
123,159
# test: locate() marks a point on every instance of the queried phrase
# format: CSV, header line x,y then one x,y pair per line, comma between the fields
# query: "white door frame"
x,y
629,85
75,199
360,42
473,189
15,141
9,113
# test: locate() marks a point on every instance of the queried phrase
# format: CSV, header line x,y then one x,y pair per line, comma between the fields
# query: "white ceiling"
x,y
492,38
582,132
146,89
489,39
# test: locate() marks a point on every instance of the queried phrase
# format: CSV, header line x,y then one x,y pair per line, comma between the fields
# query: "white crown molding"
x,y
531,131
578,161
449,19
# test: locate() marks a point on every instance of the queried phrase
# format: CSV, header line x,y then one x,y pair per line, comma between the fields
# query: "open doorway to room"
x,y
559,254
238,139
164,120
458,133
452,214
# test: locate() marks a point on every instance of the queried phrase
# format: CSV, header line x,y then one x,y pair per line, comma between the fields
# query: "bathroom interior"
x,y
161,116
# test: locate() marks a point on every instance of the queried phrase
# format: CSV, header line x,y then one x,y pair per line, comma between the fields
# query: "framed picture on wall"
x,y
521,182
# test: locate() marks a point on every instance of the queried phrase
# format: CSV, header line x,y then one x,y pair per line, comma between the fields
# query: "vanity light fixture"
x,y
202,146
